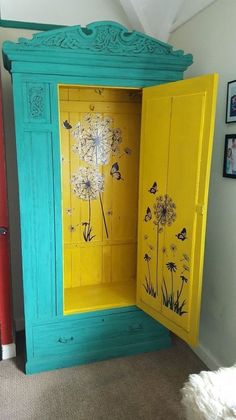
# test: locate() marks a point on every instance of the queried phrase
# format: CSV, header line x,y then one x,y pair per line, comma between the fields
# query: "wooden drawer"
x,y
74,337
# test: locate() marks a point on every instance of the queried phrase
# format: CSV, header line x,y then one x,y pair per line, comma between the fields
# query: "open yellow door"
x,y
175,158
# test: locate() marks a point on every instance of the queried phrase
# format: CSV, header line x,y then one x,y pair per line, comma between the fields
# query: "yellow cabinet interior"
x,y
100,136
136,214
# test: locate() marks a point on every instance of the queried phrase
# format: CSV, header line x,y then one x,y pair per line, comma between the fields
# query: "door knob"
x,y
3,230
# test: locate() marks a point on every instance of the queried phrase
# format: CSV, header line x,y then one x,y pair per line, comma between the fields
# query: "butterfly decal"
x,y
115,171
67,125
154,188
182,235
148,215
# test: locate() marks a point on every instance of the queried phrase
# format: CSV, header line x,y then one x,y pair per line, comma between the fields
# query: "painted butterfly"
x,y
67,125
114,172
148,215
154,188
182,235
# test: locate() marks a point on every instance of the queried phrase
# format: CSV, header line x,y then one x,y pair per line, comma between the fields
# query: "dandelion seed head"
x,y
186,267
87,183
186,257
96,139
184,279
171,266
164,250
71,228
164,210
173,248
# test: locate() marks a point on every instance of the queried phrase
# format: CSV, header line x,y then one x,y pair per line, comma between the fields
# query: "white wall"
x,y
210,36
61,12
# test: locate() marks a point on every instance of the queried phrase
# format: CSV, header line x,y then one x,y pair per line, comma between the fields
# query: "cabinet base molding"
x,y
85,339
42,365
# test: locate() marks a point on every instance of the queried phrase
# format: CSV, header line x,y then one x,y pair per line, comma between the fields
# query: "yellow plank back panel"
x,y
107,220
180,203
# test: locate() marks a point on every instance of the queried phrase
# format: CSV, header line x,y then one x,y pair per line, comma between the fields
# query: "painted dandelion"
x,y
164,215
96,139
88,184
173,249
164,210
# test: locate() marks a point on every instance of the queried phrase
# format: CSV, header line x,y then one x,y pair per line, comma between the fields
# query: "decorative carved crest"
x,y
100,37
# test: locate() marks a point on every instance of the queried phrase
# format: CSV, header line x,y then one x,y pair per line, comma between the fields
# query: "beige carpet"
x,y
144,387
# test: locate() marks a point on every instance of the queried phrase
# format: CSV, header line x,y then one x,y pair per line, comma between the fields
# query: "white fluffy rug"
x,y
211,395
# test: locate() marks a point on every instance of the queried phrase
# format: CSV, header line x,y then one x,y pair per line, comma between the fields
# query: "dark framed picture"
x,y
231,102
229,167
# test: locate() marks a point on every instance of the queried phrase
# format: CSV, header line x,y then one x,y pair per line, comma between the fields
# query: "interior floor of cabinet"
x,y
99,296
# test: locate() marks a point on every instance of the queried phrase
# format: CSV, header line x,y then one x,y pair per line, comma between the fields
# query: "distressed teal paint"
x,y
40,365
78,341
35,26
57,197
104,54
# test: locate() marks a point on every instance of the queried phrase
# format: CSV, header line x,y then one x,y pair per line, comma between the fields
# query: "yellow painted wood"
x,y
176,144
101,93
103,261
102,296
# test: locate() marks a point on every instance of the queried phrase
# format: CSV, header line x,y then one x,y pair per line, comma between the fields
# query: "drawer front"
x,y
94,334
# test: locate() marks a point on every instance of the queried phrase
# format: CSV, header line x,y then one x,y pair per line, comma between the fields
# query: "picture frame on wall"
x,y
229,166
231,102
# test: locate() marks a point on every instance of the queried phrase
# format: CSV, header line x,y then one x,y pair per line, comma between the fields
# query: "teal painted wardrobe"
x,y
47,69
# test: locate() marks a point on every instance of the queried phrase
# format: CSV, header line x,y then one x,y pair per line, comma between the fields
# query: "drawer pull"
x,y
65,340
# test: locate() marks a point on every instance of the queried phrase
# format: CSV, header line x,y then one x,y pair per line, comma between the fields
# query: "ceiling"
x,y
160,17
157,18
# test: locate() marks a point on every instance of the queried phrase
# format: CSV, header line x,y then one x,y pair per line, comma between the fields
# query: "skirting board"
x,y
207,357
8,351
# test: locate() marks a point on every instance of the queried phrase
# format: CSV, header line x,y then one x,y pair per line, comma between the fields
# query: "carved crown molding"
x,y
101,38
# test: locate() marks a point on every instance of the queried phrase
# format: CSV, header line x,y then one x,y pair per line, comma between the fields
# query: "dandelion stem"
x,y
103,215
172,285
157,251
149,273
89,205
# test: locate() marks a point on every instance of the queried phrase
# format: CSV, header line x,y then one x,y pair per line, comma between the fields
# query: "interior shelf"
x,y
100,296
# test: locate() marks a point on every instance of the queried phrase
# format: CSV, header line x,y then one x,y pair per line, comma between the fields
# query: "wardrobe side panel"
x,y
34,139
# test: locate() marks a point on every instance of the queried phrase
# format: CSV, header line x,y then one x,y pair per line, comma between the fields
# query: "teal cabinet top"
x,y
115,52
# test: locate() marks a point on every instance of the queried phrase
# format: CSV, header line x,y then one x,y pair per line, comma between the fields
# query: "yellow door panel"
x,y
182,187
180,203
153,178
